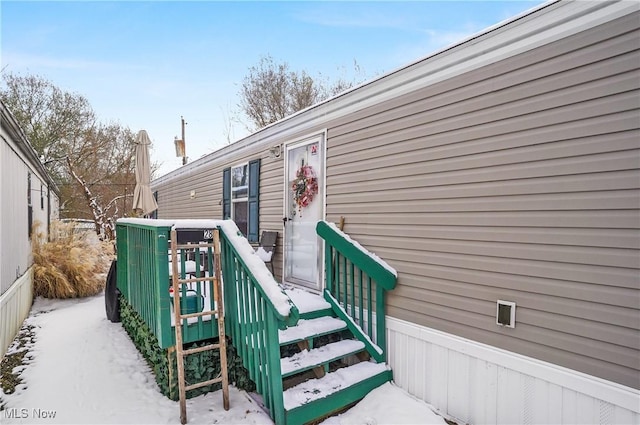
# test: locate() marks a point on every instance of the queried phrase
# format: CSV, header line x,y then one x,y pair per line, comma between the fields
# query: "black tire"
x,y
112,294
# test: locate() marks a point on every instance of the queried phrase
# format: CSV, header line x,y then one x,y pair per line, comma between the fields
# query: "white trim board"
x,y
478,383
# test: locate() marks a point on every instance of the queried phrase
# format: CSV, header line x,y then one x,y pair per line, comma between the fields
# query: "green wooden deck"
x,y
255,316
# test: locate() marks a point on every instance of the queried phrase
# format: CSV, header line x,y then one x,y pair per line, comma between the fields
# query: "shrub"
x,y
198,367
71,264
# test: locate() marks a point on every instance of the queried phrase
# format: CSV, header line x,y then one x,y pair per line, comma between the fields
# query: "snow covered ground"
x,y
85,369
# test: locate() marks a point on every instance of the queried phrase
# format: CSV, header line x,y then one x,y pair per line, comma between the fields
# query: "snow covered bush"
x,y
71,264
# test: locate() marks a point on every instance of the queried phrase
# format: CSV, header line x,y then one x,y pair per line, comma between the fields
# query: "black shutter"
x,y
30,220
154,213
254,200
226,193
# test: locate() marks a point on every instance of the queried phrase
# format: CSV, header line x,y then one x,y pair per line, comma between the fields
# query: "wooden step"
x,y
339,381
322,356
312,328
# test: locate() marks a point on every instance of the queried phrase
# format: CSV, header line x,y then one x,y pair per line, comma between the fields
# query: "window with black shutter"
x,y
240,197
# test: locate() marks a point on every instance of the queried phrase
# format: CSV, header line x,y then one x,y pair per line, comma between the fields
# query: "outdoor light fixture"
x,y
180,151
180,144
275,151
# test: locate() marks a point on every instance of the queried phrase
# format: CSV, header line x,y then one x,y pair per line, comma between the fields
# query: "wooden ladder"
x,y
181,353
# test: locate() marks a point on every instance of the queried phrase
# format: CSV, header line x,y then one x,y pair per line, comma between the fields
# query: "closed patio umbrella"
x,y
142,197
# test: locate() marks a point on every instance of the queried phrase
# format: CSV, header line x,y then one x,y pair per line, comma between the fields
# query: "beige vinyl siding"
x,y
516,181
271,204
174,197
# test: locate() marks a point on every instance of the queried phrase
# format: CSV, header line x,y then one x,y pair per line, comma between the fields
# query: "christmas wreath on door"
x,y
305,187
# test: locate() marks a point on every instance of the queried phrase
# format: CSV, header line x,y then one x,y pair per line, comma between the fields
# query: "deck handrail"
x,y
356,286
252,320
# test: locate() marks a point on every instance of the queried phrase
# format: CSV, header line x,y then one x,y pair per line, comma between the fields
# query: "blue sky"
x,y
145,64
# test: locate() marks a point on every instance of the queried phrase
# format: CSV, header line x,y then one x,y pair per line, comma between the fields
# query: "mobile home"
x,y
500,177
28,195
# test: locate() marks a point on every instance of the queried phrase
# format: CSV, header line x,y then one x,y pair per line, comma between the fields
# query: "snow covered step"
x,y
316,389
311,328
306,360
309,305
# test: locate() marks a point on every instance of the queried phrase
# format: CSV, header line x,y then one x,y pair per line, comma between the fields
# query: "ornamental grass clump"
x,y
72,264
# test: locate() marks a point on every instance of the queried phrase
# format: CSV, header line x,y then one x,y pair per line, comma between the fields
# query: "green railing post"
x,y
275,373
123,269
161,245
328,253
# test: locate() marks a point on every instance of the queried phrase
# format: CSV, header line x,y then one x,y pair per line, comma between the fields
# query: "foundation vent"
x,y
506,314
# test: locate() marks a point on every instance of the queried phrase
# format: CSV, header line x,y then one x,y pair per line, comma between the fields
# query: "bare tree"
x,y
91,162
343,82
304,91
47,115
265,92
100,162
271,91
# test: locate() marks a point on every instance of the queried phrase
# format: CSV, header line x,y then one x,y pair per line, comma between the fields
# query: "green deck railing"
x,y
143,280
356,286
252,321
140,277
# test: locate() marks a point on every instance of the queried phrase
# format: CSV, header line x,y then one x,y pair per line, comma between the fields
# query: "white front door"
x,y
304,207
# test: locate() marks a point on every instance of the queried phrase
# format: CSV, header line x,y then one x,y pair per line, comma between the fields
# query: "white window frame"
x,y
245,198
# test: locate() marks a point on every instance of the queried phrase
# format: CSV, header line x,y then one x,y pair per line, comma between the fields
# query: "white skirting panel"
x,y
15,305
478,384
